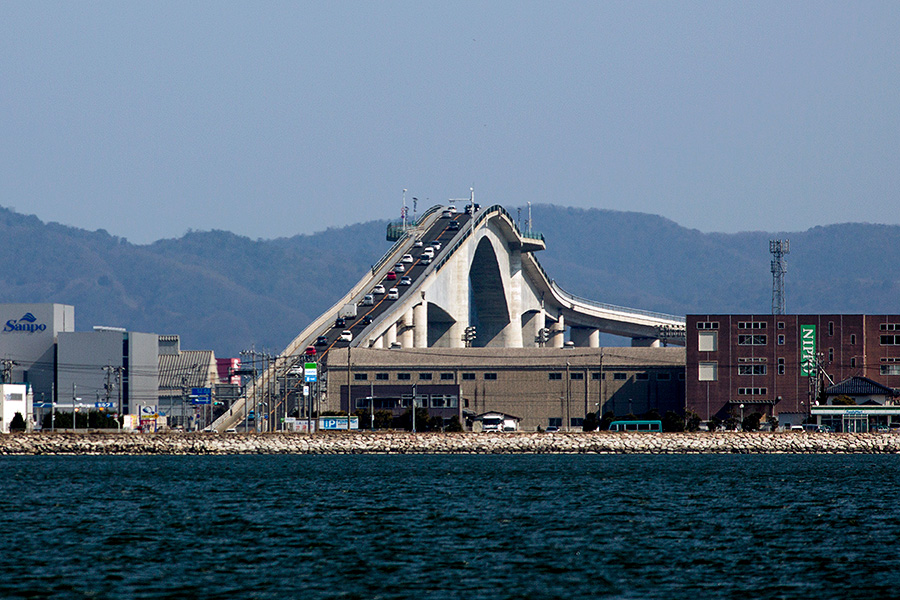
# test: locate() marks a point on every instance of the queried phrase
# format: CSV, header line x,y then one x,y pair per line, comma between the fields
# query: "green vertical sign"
x,y
807,350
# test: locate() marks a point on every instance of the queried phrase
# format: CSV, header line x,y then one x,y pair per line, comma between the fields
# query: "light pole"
x,y
742,416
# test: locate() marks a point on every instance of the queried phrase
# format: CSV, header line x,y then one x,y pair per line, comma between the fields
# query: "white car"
x,y
378,289
368,300
418,243
346,335
399,268
405,281
407,258
436,245
393,294
452,209
429,252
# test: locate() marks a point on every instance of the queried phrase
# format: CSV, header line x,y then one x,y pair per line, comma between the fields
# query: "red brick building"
x,y
768,363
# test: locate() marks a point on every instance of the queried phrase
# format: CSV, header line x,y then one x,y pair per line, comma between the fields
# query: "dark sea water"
x,y
543,526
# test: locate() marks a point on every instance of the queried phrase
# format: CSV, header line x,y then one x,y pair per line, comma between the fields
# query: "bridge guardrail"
x,y
613,307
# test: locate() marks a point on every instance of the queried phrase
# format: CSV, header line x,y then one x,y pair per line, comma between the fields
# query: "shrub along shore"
x,y
449,443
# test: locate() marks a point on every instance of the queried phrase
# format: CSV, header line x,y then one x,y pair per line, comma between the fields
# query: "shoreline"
x,y
394,442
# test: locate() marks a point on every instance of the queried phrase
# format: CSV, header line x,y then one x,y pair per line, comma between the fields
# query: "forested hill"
x,y
225,292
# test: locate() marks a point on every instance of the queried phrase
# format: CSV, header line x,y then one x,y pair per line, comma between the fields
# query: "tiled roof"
x,y
859,386
190,368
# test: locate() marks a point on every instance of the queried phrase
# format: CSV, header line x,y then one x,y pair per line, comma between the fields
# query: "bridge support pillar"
x,y
558,333
420,322
585,337
406,333
377,342
646,342
390,336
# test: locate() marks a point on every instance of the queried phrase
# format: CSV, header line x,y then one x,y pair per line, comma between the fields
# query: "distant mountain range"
x,y
225,292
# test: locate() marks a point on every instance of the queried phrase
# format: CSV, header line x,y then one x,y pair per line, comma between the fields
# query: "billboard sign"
x,y
807,350
337,423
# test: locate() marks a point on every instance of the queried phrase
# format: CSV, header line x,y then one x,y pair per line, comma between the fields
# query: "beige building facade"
x,y
541,386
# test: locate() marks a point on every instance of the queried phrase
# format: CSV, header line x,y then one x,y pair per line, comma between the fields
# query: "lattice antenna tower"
x,y
778,248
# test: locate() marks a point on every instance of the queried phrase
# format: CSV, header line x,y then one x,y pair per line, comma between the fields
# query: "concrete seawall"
x,y
451,443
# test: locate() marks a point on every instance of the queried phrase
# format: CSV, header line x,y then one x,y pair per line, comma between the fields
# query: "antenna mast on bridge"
x,y
778,248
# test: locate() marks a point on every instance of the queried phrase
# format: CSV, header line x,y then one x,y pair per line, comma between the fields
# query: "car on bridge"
x,y
391,276
378,289
322,340
436,245
453,226
346,335
393,294
367,320
405,281
425,260
340,322
368,300
407,258
399,267
418,243
429,252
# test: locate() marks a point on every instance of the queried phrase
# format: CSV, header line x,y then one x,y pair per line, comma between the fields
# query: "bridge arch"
x,y
488,307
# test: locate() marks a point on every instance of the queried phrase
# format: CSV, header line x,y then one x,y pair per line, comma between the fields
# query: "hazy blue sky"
x,y
270,119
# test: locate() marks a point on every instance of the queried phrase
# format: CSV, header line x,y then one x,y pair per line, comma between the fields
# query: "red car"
x,y
391,275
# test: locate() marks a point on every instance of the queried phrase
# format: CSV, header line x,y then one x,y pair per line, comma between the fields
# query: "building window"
x,y
598,376
554,422
852,362
707,324
852,339
890,327
490,376
747,391
781,366
890,340
576,375
642,376
831,355
620,376
361,376
830,327
890,369
708,371
681,377
424,376
751,324
751,369
468,376
554,376
403,376
708,341
446,376
781,339
663,376
577,421
780,324
752,340
381,376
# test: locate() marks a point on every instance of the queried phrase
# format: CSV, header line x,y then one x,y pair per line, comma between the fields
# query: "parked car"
x,y
322,340
393,294
340,322
405,281
379,289
391,276
407,258
346,335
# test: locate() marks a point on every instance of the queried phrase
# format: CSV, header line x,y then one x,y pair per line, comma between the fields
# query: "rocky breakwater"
x,y
449,443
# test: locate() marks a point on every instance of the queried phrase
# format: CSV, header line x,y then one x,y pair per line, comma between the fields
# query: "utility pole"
x,y
6,366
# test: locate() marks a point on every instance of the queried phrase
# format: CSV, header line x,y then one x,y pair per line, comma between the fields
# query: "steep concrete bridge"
x,y
483,275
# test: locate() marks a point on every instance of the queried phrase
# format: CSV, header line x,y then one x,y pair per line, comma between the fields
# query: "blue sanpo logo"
x,y
27,324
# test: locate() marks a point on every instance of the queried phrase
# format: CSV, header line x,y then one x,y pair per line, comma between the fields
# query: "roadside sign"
x,y
103,404
310,372
201,395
